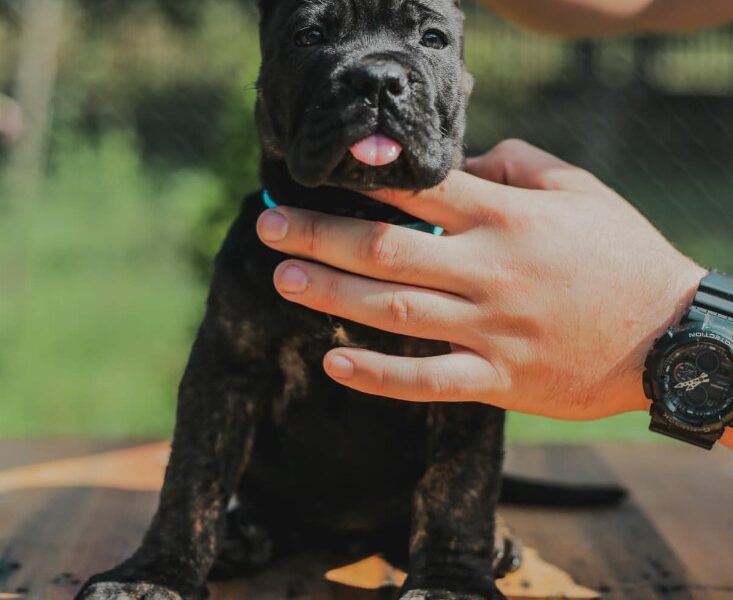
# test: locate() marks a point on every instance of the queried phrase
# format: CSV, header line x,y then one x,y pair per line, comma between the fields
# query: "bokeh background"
x,y
127,141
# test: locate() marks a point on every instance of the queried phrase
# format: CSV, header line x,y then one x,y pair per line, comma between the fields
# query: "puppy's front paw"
x,y
247,547
445,595
127,591
507,550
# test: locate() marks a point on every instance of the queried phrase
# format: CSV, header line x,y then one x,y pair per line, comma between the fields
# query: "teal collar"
x,y
419,226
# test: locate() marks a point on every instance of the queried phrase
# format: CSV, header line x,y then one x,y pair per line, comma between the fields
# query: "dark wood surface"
x,y
673,540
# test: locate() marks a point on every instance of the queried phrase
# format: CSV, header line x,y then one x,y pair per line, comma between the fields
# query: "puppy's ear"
x,y
266,7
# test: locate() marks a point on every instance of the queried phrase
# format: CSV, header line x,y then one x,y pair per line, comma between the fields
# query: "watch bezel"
x,y
673,340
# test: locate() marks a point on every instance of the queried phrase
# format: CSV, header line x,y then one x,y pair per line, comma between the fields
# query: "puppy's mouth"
x,y
376,150
368,151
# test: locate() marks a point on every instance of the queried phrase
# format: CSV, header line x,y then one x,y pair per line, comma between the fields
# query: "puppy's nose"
x,y
377,79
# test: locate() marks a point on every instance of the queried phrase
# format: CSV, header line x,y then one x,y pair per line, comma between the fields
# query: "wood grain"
x,y
671,541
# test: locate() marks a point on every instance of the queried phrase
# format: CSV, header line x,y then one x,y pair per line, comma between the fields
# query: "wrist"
x,y
687,286
677,301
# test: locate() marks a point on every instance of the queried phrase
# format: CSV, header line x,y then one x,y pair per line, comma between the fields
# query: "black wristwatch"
x,y
689,372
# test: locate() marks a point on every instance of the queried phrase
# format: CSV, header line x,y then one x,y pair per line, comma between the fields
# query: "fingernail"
x,y
272,226
293,280
340,367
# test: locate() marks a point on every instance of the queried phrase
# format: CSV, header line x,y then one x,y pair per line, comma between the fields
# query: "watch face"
x,y
698,383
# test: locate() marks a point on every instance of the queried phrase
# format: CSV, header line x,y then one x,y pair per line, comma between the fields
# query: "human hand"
x,y
549,286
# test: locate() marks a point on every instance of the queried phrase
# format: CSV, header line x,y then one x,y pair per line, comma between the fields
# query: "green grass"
x,y
632,427
97,325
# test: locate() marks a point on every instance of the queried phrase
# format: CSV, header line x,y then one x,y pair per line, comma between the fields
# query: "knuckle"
x,y
521,218
399,309
382,249
503,382
315,234
510,147
493,217
431,382
383,378
505,283
531,217
333,292
568,177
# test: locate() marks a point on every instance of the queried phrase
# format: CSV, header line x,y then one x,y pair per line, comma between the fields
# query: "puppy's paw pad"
x,y
439,595
127,591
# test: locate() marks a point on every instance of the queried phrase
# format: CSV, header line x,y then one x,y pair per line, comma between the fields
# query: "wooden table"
x,y
673,540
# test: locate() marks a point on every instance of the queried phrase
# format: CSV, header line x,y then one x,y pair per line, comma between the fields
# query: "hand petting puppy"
x,y
550,287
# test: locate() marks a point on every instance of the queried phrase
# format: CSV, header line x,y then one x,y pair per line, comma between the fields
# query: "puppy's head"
x,y
363,94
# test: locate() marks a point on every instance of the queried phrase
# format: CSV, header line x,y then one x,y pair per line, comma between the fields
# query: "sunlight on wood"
x,y
536,579
139,469
369,574
142,469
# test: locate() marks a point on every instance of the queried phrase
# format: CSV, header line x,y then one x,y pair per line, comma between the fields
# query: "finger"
x,y
377,250
390,307
457,377
454,204
517,163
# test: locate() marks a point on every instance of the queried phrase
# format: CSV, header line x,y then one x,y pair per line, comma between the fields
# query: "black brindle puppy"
x,y
310,462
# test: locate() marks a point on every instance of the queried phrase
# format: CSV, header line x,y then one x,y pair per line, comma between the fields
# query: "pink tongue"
x,y
376,150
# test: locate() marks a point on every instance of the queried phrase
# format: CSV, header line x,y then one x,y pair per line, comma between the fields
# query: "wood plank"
x,y
687,495
670,542
19,453
611,550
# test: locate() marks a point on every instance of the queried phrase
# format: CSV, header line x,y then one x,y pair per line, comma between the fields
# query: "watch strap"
x,y
661,425
714,297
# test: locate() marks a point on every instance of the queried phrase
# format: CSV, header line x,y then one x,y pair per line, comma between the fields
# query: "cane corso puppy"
x,y
353,95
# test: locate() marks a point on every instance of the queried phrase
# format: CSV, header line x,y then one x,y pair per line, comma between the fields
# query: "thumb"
x,y
519,164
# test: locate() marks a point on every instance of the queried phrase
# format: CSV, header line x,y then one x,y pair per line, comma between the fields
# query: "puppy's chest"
x,y
306,388
352,335
321,427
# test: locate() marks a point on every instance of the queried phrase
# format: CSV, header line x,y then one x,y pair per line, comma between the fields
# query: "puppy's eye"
x,y
435,39
310,36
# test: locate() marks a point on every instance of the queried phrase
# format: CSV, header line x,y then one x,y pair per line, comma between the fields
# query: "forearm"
x,y
586,18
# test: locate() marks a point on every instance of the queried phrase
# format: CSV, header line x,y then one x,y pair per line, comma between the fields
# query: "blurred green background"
x,y
126,143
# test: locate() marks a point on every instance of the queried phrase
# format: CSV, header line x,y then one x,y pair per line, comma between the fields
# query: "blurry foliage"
x,y
99,328
8,38
153,147
187,94
9,10
652,118
151,152
236,166
181,13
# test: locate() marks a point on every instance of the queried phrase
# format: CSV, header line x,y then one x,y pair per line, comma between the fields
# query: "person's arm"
x,y
590,18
